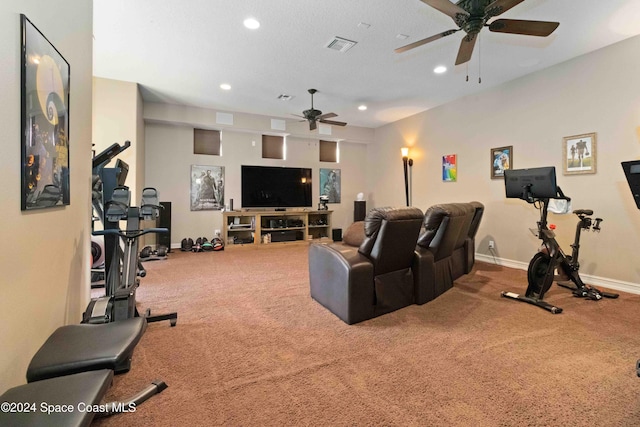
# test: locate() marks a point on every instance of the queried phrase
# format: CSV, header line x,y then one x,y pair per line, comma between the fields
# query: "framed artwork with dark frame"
x,y
45,78
330,184
579,154
207,188
501,159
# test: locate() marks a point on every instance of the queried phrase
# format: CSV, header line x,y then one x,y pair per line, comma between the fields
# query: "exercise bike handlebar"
x,y
129,234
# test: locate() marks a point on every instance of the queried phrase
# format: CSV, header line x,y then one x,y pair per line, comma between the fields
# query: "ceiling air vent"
x,y
340,44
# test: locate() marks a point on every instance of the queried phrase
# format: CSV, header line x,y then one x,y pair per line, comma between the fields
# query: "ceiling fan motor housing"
x,y
311,113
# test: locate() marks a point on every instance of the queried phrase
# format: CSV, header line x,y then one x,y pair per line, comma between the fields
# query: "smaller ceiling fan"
x,y
472,15
313,116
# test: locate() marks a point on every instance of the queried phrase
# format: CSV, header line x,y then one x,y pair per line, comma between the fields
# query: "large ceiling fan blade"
x,y
527,28
499,7
327,116
466,49
312,125
453,10
297,115
333,122
425,41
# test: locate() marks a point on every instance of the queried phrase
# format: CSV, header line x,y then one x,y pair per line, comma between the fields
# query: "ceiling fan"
x,y
313,116
472,15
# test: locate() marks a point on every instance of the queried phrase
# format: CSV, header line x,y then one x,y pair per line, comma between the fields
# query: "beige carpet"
x,y
252,348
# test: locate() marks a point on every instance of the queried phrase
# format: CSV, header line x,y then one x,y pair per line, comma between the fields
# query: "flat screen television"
x,y
275,187
530,184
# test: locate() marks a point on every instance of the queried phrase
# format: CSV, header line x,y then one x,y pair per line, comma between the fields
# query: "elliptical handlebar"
x,y
129,234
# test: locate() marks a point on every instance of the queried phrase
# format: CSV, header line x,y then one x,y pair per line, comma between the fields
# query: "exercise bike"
x,y
527,184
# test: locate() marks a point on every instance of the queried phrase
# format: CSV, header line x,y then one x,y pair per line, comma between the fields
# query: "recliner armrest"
x,y
341,279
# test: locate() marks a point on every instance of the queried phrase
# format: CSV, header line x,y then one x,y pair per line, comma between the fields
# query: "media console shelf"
x,y
271,227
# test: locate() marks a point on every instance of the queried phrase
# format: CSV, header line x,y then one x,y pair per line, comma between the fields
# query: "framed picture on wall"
x,y
45,83
207,188
501,159
579,154
330,184
449,168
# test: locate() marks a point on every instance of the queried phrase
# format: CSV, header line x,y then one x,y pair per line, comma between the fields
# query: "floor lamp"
x,y
407,163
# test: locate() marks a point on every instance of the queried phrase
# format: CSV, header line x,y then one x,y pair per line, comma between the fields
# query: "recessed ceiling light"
x,y
362,107
251,23
440,69
225,86
402,36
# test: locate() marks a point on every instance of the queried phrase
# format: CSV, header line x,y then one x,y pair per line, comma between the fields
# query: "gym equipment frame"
x,y
122,279
537,186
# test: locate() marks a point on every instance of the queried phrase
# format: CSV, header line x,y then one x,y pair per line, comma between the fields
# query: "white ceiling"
x,y
180,51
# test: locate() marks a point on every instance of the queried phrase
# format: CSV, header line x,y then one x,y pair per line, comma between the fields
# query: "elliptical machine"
x,y
537,186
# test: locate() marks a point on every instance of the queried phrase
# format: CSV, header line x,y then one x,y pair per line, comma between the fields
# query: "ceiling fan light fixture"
x,y
440,69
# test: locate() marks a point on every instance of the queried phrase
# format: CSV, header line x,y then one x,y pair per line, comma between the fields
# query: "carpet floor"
x,y
251,348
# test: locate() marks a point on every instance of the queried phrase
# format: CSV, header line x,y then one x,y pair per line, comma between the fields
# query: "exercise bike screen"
x,y
530,184
632,171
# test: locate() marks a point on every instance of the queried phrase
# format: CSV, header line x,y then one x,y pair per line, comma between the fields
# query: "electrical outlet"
x,y
492,244
217,232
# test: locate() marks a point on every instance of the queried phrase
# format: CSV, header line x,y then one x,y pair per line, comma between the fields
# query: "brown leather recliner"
x,y
469,244
442,252
359,283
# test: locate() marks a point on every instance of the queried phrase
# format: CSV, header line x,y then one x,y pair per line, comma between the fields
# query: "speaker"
x,y
164,221
359,210
337,234
283,236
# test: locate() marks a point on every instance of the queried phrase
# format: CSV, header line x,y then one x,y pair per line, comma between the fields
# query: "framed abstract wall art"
x,y
449,168
45,79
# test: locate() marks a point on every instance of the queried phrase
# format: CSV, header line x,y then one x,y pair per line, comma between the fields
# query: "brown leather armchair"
x,y
442,253
359,283
470,241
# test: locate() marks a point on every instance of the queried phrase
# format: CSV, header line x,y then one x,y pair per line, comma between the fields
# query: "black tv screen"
x,y
632,172
529,184
275,187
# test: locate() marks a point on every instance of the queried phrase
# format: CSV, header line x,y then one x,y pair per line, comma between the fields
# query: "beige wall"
x,y
44,258
169,156
118,117
599,92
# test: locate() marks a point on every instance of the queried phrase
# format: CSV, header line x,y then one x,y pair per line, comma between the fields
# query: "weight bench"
x,y
70,400
59,401
87,347
72,372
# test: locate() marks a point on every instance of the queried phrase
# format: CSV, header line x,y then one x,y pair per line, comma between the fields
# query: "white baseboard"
x,y
618,285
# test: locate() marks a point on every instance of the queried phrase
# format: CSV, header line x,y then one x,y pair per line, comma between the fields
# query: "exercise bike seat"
x,y
149,205
583,212
87,388
118,206
87,347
